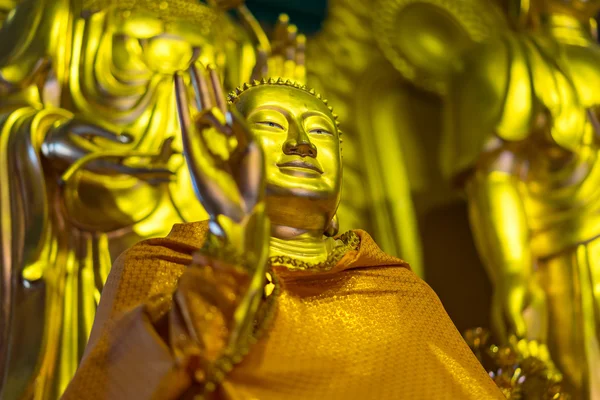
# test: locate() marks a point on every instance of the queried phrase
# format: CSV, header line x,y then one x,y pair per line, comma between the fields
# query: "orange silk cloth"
x,y
367,329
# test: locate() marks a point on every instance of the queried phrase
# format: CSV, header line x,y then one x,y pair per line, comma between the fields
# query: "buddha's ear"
x,y
333,227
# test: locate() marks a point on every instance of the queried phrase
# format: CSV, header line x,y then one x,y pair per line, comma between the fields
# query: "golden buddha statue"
x,y
378,61
90,157
264,300
522,139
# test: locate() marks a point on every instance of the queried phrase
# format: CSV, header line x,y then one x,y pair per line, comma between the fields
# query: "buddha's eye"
x,y
271,124
320,131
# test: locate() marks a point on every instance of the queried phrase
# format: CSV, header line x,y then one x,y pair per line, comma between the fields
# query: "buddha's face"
x,y
140,36
579,8
302,153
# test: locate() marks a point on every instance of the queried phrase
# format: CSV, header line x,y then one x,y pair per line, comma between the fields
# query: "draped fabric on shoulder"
x,y
368,328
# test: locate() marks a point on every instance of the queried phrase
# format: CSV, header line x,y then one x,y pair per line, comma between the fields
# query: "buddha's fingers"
x,y
250,177
220,101
239,129
290,42
151,175
201,91
300,74
281,30
289,70
261,67
300,50
81,127
183,107
276,66
215,119
195,148
166,151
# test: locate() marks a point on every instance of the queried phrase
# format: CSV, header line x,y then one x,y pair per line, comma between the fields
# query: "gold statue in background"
x,y
523,139
90,156
183,316
364,59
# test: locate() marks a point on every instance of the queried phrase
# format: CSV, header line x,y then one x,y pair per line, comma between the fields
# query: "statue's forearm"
x,y
499,222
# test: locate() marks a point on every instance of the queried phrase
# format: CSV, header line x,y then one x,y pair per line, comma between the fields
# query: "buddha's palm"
x,y
227,169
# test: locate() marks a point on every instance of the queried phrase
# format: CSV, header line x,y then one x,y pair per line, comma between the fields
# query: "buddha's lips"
x,y
301,164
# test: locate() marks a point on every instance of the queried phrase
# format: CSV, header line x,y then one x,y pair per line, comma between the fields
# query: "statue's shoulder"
x,y
485,68
369,254
491,96
189,233
183,239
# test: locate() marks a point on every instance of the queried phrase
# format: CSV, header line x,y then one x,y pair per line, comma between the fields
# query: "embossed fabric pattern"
x,y
368,328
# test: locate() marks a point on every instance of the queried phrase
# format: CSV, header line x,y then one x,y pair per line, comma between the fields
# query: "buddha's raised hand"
x,y
227,168
226,163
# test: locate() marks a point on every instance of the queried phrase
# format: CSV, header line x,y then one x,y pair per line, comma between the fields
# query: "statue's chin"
x,y
300,209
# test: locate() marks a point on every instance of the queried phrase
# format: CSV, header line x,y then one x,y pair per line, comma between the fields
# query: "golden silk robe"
x,y
368,328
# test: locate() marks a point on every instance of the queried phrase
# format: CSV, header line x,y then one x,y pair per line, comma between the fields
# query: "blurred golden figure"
x,y
523,140
186,316
371,59
90,158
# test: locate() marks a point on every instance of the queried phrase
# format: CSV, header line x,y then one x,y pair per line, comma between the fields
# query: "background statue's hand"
x,y
286,58
519,308
226,163
79,136
81,144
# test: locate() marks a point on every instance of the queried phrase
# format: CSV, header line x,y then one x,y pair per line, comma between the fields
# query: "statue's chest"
x,y
552,87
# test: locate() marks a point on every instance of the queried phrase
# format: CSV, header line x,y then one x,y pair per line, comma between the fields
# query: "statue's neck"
x,y
566,28
304,245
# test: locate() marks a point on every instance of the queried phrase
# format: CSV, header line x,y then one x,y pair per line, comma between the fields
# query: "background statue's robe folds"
x,y
367,328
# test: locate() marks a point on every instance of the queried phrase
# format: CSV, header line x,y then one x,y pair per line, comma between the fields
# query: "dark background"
x,y
308,15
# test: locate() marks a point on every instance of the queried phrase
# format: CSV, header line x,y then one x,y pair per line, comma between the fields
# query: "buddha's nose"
x,y
302,148
300,145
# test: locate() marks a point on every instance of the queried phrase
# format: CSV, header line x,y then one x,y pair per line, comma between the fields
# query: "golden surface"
x,y
369,328
521,137
366,59
90,160
425,39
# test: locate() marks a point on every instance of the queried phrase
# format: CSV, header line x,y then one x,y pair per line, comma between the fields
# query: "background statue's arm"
x,y
483,124
501,232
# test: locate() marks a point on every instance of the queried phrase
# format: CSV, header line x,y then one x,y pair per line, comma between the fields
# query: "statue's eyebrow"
x,y
286,113
315,113
320,114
